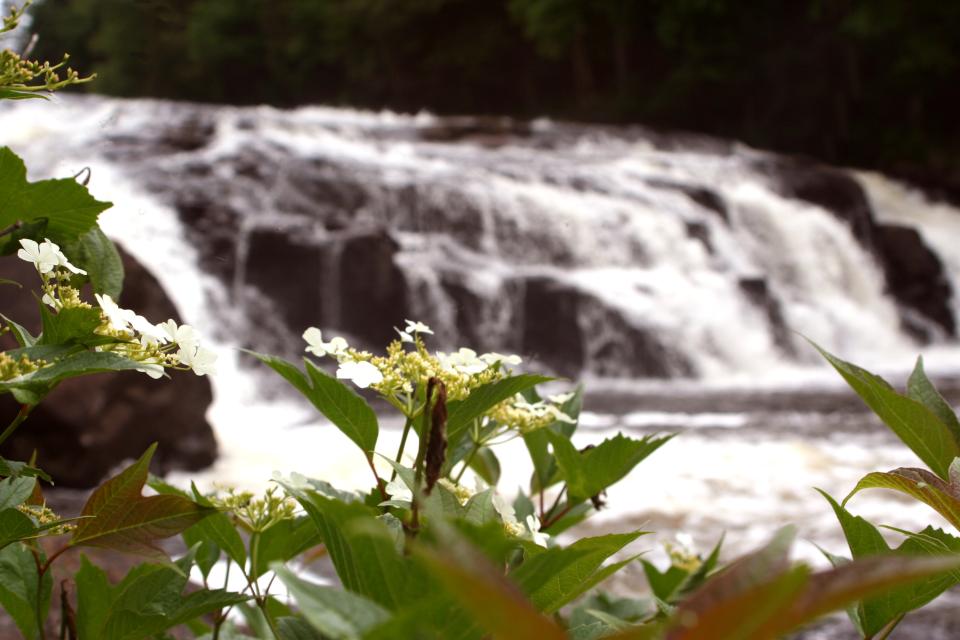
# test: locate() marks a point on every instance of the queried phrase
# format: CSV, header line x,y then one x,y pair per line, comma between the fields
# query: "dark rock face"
x,y
88,425
569,331
551,326
916,277
759,294
373,290
706,198
287,273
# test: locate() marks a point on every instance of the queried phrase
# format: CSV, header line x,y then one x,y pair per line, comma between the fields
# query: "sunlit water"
x,y
756,432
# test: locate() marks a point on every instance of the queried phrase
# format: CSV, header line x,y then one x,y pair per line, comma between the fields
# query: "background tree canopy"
x,y
865,82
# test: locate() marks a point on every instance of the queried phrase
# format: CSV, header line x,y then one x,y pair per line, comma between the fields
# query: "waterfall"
x,y
590,250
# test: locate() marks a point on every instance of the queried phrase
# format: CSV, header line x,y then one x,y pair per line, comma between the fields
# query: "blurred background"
x,y
662,198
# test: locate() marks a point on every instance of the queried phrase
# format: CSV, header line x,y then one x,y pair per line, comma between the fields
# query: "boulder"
x,y
569,331
759,294
373,289
88,425
916,278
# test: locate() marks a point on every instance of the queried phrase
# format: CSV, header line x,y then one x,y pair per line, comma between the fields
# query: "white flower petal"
x,y
363,374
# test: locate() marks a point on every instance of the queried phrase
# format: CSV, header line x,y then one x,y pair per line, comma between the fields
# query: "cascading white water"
x,y
589,212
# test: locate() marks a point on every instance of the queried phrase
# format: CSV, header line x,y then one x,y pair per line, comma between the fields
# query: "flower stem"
x,y
380,484
403,443
25,410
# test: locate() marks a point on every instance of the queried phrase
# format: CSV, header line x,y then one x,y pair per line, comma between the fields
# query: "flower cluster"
x,y
682,553
398,491
20,77
14,368
155,346
523,416
257,513
401,370
42,515
513,528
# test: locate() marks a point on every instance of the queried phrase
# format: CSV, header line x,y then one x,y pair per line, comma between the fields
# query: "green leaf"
x,y
544,465
558,575
15,491
486,465
590,472
495,603
218,530
913,422
864,541
922,390
72,366
344,408
460,413
666,583
479,509
761,597
21,593
69,208
591,631
287,371
337,402
15,526
146,602
93,599
338,614
291,628
283,541
23,337
74,325
361,548
124,520
96,254
920,484
861,579
16,469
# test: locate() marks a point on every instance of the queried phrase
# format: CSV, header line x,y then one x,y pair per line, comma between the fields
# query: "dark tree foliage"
x,y
866,82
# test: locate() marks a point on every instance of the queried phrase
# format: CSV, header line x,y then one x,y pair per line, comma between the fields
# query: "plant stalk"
x,y
25,410
403,443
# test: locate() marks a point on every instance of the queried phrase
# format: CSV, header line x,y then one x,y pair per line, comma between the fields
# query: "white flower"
x,y
149,332
118,317
463,361
294,481
315,344
363,374
505,509
184,336
63,262
561,398
493,358
533,526
202,361
559,416
50,301
417,327
398,490
153,370
44,256
404,336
